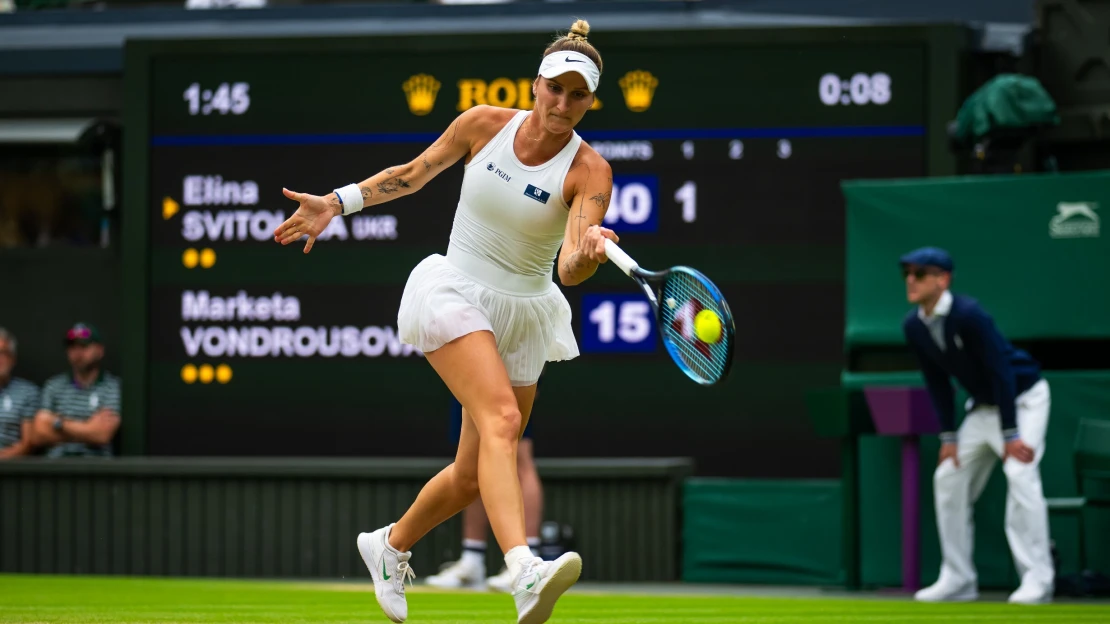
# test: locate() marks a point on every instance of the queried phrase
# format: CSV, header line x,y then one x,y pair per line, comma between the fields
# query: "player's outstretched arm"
x,y
584,241
314,212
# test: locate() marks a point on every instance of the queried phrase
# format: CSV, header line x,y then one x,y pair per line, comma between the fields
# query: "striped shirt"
x,y
63,396
19,400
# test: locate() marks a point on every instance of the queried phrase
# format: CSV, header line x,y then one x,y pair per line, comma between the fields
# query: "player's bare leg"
x,y
531,489
473,371
470,569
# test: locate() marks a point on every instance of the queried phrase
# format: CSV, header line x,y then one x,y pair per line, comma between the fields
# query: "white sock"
x,y
474,553
514,560
472,558
473,544
534,545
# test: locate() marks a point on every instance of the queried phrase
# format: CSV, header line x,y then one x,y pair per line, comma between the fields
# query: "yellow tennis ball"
x,y
707,326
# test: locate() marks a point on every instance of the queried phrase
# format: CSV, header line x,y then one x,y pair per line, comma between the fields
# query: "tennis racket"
x,y
677,295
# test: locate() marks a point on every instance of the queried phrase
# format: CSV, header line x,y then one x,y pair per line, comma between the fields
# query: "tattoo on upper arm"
x,y
442,143
448,137
577,259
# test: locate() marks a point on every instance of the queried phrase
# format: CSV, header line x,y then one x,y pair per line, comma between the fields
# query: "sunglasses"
x,y
919,273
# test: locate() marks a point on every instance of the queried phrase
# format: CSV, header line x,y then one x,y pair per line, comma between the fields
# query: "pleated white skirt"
x,y
448,297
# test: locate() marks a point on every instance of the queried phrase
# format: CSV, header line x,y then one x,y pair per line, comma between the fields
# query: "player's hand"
x,y
311,218
593,242
949,450
1019,451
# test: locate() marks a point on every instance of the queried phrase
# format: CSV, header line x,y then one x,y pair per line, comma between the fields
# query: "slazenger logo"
x,y
1075,220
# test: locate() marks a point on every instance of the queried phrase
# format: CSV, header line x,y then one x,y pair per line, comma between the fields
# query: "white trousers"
x,y
980,444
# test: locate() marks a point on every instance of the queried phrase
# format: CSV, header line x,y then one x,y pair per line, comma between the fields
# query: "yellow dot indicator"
x,y
223,373
206,373
189,373
189,258
207,258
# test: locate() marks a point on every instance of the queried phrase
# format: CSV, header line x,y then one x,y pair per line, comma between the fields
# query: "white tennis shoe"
x,y
541,583
464,573
390,569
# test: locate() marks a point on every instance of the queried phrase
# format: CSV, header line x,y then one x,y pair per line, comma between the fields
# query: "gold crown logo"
x,y
420,91
639,89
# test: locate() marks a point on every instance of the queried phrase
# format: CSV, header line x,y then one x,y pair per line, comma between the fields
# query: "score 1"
x,y
634,206
617,323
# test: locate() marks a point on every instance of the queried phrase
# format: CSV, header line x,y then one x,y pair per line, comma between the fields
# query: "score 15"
x,y
226,98
617,323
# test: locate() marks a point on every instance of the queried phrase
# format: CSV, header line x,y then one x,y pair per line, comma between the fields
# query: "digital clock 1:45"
x,y
226,98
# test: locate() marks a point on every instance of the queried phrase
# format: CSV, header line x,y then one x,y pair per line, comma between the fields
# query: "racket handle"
x,y
623,261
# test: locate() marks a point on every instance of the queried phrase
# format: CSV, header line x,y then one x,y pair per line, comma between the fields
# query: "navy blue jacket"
x,y
980,358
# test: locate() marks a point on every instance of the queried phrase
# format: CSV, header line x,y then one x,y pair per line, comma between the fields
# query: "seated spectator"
x,y
80,410
19,399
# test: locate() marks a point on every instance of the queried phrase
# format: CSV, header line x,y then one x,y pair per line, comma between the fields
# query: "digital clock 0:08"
x,y
226,98
860,89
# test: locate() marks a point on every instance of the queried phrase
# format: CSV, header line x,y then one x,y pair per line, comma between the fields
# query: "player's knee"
x,y
502,424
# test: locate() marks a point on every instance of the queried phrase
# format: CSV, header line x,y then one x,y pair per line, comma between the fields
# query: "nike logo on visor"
x,y
570,60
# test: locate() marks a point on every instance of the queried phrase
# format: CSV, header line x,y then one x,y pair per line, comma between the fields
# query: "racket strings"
x,y
684,295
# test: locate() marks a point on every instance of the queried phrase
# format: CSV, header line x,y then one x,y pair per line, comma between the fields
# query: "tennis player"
x,y
488,315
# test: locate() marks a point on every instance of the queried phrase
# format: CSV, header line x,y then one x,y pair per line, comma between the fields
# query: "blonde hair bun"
x,y
579,30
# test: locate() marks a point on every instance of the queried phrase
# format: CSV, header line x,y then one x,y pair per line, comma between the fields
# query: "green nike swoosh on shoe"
x,y
386,574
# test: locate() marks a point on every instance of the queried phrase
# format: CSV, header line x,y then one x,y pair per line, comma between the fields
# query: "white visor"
x,y
559,63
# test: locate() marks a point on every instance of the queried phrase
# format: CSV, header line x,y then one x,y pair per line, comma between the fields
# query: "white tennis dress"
x,y
497,274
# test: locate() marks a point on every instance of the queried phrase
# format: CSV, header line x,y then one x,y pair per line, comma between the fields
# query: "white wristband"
x,y
350,198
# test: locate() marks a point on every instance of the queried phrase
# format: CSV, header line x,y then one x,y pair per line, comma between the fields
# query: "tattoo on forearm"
x,y
427,165
367,193
392,185
575,263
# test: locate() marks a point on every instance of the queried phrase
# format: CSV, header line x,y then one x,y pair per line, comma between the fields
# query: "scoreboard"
x,y
727,149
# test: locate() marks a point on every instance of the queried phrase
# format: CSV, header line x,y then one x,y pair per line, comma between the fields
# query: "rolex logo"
x,y
420,91
639,89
